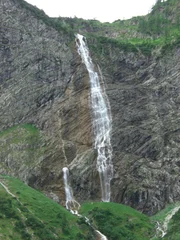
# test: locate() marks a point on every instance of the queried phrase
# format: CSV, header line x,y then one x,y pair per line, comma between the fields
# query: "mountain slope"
x,y
28,214
118,221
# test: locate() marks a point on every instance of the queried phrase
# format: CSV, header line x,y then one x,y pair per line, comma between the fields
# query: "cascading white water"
x,y
103,237
71,203
101,121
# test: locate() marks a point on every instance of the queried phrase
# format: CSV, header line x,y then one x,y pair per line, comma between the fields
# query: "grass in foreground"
x,y
118,221
31,215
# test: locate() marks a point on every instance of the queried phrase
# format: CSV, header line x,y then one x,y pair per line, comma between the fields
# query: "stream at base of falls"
x,y
161,229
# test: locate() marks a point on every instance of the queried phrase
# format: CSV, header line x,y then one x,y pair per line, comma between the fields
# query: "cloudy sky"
x,y
102,10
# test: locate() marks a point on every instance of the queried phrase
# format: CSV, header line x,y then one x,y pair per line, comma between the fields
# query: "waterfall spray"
x,y
101,121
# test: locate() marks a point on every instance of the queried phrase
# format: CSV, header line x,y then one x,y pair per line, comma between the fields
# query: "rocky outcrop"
x,y
44,84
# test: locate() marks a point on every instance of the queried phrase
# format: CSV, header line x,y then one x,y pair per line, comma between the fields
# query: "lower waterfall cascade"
x,y
72,205
101,120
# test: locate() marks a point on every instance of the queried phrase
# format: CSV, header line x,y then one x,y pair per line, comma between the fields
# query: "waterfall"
x,y
102,128
71,203
101,119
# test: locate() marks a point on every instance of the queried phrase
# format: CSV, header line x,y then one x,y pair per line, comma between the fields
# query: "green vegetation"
x,y
163,23
29,127
26,135
32,213
159,29
103,45
29,214
117,221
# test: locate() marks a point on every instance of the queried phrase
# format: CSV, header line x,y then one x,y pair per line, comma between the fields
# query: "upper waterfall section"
x,y
101,119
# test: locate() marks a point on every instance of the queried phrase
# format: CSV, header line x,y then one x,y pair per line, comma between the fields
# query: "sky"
x,y
102,10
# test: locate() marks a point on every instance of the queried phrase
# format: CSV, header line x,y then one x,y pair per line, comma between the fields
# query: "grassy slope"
x,y
118,221
31,215
35,216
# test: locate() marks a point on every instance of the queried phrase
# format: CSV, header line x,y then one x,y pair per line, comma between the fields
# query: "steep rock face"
x,y
44,83
144,98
